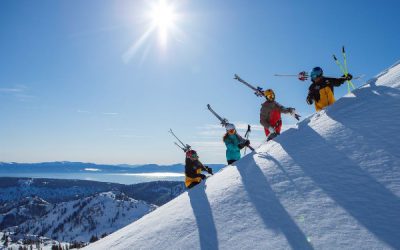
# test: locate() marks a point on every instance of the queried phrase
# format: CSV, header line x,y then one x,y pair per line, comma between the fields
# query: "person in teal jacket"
x,y
234,143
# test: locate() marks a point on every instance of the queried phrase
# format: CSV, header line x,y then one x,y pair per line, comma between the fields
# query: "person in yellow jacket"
x,y
321,90
193,169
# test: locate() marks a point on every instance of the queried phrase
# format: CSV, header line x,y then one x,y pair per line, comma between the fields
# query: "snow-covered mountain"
x,y
91,216
52,190
51,207
13,189
18,211
331,183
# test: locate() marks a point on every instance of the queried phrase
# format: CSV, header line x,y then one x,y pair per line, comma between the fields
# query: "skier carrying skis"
x,y
234,143
321,90
270,115
193,169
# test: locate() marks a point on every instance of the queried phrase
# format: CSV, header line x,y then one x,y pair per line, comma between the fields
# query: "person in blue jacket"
x,y
234,143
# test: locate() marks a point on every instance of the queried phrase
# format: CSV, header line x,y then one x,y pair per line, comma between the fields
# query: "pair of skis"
x,y
187,147
258,91
183,146
303,76
224,123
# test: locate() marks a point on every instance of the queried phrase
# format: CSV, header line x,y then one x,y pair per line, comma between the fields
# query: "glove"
x,y
309,100
202,176
247,143
348,77
209,170
291,110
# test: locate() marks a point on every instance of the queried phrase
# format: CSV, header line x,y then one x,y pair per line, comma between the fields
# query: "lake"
x,y
122,178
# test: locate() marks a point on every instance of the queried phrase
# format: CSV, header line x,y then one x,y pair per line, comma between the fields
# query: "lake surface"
x,y
128,178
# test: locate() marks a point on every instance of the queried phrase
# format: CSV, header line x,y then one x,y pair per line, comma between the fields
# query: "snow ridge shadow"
x,y
204,218
268,206
364,198
381,104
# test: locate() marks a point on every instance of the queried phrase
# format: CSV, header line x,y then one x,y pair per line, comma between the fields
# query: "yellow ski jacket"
x,y
321,92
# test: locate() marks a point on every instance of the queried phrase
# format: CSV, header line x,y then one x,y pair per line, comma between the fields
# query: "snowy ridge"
x,y
81,219
333,182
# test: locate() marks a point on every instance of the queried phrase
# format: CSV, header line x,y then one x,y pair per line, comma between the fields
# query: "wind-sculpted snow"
x,y
333,182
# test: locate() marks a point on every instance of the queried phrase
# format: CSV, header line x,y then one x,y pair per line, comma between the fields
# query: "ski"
x,y
302,76
257,91
184,147
223,121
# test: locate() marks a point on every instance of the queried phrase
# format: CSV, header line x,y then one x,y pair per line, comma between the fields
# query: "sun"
x,y
163,17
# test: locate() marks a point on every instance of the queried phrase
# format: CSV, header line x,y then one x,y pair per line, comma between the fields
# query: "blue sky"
x,y
73,85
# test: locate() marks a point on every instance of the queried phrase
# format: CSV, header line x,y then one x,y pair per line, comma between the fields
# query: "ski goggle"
x,y
314,76
270,95
315,73
192,156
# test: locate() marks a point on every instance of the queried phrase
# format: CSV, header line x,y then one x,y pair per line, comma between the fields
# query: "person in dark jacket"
x,y
193,169
270,114
321,91
234,143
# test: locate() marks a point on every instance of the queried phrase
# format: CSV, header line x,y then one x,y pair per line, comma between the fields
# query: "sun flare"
x,y
163,18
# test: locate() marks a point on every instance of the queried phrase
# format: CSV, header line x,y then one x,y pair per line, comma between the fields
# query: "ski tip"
x,y
334,57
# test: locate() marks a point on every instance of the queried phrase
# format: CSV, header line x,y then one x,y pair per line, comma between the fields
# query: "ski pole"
x,y
343,71
345,65
344,68
247,135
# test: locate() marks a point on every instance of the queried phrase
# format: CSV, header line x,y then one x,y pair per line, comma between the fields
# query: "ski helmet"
x,y
230,128
192,154
316,72
269,94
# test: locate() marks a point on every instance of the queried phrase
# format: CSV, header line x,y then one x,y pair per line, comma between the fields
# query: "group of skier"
x,y
321,93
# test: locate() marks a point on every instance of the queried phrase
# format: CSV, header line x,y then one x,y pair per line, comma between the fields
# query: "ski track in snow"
x,y
331,183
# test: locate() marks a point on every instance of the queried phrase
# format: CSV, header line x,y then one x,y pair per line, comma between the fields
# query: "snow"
x,y
80,219
332,182
92,169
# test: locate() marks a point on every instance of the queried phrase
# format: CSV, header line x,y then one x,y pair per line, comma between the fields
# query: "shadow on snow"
x,y
205,221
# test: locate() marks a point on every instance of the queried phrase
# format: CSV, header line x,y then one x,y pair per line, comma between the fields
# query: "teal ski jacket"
x,y
232,146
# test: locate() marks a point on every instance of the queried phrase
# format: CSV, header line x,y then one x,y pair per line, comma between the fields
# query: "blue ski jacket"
x,y
232,146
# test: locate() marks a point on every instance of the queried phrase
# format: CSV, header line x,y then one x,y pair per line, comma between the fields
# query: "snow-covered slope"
x,y
331,183
19,211
81,219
